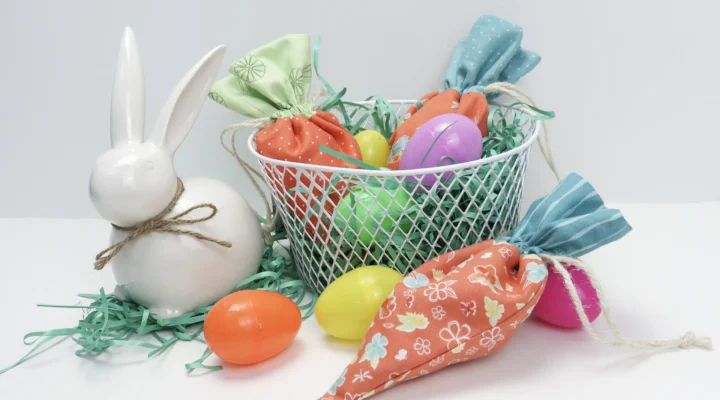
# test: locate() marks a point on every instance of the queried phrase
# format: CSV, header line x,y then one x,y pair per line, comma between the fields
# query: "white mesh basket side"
x,y
337,221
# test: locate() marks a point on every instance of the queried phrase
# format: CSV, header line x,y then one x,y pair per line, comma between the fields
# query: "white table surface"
x,y
661,281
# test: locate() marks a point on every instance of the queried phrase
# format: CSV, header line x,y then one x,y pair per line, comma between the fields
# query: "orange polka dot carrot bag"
x,y
469,303
271,85
490,53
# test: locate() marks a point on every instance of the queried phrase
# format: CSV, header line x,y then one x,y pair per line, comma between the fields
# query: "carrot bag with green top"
x,y
490,53
271,84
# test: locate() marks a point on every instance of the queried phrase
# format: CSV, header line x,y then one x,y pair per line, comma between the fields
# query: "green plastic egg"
x,y
366,212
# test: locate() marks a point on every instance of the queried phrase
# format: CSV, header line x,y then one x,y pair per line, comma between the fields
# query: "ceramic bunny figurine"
x,y
135,181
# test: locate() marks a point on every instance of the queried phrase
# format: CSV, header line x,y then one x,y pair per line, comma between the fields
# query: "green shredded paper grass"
x,y
108,321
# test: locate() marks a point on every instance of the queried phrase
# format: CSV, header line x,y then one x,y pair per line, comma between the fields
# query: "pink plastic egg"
x,y
555,305
444,140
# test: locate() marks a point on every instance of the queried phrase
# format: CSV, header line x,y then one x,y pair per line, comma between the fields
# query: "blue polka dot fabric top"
x,y
490,53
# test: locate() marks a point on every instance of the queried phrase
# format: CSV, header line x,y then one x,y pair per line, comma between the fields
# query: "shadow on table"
x,y
525,354
342,345
38,358
535,349
291,356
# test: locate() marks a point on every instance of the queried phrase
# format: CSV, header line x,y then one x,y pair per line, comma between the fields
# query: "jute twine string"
x,y
557,262
269,226
255,177
543,141
158,224
684,342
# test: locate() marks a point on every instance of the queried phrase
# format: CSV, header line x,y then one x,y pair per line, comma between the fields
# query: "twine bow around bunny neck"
x,y
159,224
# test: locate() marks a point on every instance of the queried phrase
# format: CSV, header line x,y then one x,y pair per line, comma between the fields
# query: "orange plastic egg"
x,y
250,326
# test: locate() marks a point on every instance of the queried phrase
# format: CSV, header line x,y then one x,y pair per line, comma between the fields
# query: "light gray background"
x,y
633,83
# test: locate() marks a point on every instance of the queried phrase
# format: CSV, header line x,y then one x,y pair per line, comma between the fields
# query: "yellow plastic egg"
x,y
347,307
374,148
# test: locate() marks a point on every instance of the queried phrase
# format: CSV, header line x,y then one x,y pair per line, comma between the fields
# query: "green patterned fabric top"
x,y
271,81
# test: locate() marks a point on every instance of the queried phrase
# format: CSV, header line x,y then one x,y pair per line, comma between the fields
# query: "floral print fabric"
x,y
465,305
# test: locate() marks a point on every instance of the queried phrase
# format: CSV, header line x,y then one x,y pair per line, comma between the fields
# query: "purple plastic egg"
x,y
555,305
444,140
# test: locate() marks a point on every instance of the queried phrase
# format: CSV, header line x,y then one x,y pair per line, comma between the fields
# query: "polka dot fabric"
x,y
458,307
490,53
298,139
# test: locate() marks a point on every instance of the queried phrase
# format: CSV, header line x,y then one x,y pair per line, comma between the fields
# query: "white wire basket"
x,y
338,219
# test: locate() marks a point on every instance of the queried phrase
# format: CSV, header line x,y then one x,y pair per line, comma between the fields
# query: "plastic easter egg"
x,y
348,306
374,148
250,326
444,140
365,211
555,305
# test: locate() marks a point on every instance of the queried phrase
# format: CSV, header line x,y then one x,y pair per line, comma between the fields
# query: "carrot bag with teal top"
x,y
490,53
271,84
469,303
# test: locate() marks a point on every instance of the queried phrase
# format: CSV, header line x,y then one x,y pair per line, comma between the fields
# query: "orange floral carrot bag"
x,y
469,303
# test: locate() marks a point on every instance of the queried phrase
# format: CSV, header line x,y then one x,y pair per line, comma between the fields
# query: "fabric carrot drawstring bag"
x,y
490,53
469,303
271,85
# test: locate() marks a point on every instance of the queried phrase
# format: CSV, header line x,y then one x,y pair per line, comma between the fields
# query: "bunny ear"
x,y
185,102
127,117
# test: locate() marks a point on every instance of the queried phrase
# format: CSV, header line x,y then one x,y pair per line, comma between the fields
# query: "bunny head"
x,y
135,180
